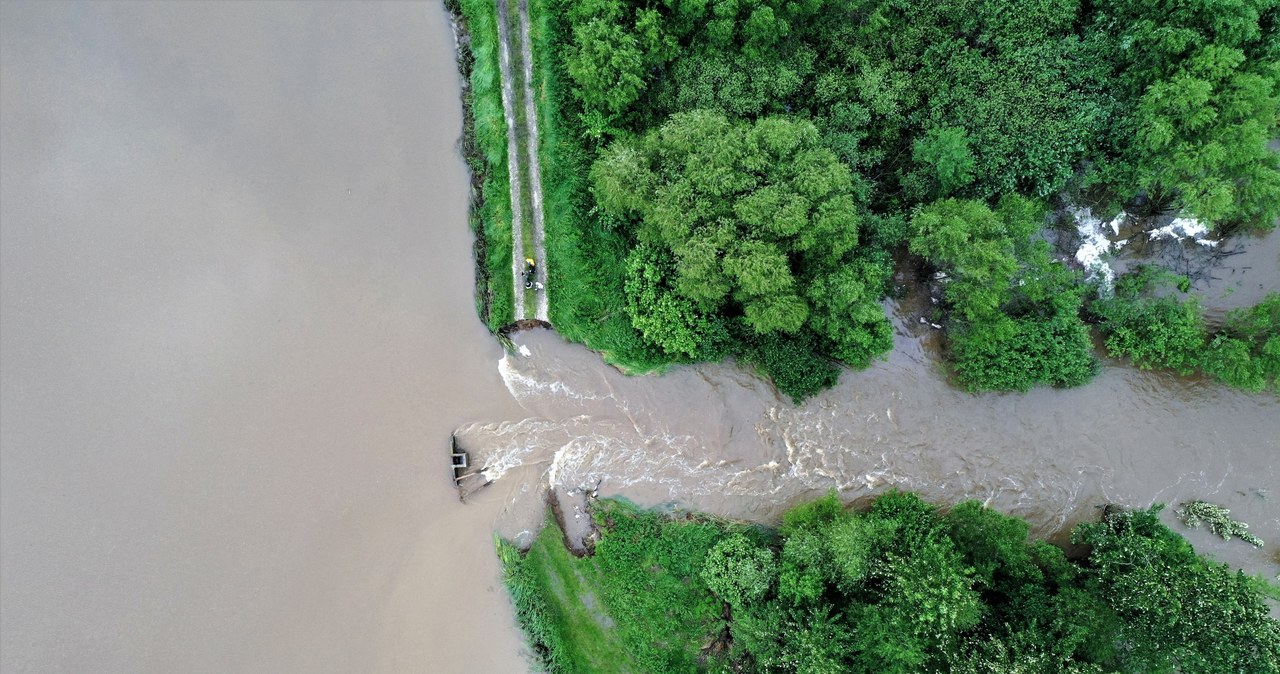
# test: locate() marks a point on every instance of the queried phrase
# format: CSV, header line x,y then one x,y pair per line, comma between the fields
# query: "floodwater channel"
x,y
238,331
713,438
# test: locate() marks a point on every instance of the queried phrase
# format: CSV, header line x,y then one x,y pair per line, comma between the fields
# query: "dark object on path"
x,y
530,272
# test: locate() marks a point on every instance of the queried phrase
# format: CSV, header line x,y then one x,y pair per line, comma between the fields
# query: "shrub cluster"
x,y
1148,323
1014,313
903,587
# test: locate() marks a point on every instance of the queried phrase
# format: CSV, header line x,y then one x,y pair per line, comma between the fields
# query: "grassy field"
x,y
637,605
576,634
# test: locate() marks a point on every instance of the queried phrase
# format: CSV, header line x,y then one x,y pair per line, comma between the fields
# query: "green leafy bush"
x,y
1152,330
794,365
1013,313
739,571
653,584
1245,352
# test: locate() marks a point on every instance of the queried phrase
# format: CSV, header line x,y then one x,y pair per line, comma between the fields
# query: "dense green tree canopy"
x,y
615,44
1201,83
1178,612
945,161
898,588
744,171
753,223
1014,314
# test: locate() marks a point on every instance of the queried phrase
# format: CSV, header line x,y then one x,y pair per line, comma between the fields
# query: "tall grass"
x,y
540,623
585,259
485,144
609,613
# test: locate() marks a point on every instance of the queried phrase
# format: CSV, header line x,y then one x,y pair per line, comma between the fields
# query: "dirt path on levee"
x,y
530,168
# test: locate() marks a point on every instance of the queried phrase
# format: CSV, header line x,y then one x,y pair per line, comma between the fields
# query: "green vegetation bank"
x,y
899,588
484,146
733,178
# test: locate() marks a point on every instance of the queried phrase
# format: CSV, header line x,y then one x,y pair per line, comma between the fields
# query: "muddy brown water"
x,y
237,330
713,438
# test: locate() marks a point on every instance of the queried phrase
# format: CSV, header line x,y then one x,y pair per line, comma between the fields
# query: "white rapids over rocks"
x,y
1184,228
1098,245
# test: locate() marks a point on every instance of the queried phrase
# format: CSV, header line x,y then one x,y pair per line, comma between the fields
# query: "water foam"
x,y
1184,228
1095,245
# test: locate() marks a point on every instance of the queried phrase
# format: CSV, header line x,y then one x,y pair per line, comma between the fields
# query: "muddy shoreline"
x,y
580,531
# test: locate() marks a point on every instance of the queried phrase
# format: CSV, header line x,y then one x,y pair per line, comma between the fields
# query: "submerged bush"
x,y
1148,323
1245,352
1218,520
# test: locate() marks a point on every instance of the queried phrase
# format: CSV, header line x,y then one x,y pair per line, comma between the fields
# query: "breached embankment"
x,y
716,439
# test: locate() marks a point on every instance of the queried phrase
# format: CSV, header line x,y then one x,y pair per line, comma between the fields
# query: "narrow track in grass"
x,y
533,166
513,161
527,232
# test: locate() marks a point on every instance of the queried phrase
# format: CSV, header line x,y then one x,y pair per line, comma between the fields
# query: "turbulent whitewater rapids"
x,y
714,438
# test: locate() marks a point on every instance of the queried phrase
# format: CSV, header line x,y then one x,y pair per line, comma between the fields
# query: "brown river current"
x,y
238,329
